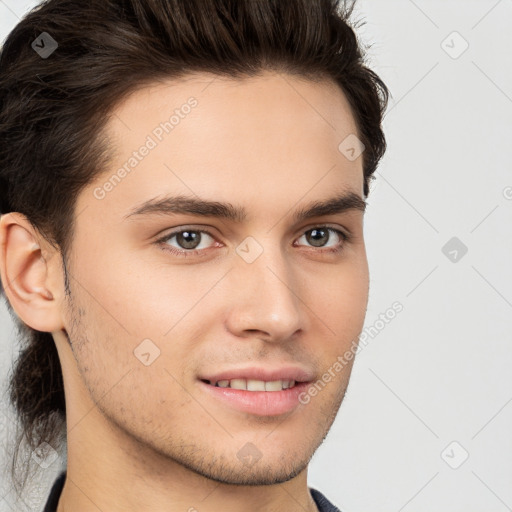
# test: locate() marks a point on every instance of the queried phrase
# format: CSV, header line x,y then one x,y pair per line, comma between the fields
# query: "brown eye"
x,y
320,236
188,239
317,237
188,242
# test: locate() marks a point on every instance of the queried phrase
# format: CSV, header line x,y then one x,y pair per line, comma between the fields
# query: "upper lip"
x,y
266,374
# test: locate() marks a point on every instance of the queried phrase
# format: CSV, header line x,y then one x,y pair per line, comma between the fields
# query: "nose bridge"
x,y
267,298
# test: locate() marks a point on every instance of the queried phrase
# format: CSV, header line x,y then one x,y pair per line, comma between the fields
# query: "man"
x,y
183,190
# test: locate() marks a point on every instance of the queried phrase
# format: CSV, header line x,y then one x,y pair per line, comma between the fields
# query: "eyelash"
x,y
346,238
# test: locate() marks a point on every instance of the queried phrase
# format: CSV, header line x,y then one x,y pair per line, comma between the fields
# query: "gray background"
x,y
433,385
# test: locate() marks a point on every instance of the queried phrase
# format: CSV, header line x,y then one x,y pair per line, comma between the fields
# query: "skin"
x,y
148,438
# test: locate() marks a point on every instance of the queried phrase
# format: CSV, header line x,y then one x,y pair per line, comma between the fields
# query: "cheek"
x,y
339,298
112,363
140,338
141,295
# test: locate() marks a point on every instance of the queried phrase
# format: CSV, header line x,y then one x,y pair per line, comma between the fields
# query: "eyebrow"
x,y
175,205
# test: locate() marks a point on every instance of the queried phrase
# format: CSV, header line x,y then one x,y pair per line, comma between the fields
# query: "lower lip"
x,y
261,403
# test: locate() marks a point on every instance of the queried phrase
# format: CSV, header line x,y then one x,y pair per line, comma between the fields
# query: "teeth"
x,y
255,385
238,383
275,385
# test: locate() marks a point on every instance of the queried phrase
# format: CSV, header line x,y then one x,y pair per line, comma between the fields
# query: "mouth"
x,y
258,391
252,384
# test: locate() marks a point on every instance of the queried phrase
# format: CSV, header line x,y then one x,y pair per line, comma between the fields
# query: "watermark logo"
x,y
454,249
455,455
454,45
44,455
44,45
249,250
146,352
351,147
249,454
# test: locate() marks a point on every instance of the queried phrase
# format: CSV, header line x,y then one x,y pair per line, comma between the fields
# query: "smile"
x,y
253,384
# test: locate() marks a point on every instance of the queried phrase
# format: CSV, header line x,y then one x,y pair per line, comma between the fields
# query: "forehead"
x,y
321,97
219,138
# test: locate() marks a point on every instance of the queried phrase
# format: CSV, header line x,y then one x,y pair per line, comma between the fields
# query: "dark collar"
x,y
53,499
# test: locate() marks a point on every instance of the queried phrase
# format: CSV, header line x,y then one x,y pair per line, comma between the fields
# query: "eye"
x,y
190,241
194,242
319,236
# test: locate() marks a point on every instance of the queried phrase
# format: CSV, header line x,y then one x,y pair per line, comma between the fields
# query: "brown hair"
x,y
53,109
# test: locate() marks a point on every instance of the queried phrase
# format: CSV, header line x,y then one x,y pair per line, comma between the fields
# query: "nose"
x,y
266,301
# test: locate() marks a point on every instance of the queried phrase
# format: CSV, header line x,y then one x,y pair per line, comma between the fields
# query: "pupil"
x,y
188,239
324,234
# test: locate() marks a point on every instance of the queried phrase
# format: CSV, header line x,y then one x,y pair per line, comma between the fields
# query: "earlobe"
x,y
24,273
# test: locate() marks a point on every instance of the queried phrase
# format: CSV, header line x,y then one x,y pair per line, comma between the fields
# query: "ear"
x,y
30,273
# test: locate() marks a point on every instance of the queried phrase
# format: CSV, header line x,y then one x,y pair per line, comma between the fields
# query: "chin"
x,y
246,472
254,476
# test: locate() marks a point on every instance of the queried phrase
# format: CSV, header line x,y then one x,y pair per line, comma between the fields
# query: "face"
x,y
174,311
